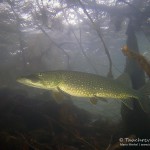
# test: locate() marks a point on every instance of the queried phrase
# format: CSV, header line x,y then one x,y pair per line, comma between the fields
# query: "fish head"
x,y
40,80
33,80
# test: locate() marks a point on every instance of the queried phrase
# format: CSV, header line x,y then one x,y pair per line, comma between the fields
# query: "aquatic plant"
x,y
140,59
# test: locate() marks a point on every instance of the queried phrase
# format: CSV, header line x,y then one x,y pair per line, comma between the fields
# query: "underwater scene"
x,y
74,74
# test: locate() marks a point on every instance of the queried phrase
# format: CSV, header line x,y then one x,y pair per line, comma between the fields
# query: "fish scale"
x,y
90,85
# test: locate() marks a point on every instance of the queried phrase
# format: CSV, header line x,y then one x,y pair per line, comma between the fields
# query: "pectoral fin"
x,y
65,95
58,97
93,100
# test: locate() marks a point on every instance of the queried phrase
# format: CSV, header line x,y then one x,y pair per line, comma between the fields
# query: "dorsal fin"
x,y
124,79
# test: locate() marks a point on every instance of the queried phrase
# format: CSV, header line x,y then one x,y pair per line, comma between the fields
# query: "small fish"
x,y
88,85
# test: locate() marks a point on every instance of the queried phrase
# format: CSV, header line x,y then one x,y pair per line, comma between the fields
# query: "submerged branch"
x,y
58,46
128,10
100,36
109,145
43,13
20,38
81,47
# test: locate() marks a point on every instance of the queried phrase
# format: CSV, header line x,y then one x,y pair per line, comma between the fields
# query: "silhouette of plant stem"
x,y
80,44
100,36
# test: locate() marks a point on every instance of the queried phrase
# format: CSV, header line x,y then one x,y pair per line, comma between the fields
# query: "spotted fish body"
x,y
82,85
91,85
79,84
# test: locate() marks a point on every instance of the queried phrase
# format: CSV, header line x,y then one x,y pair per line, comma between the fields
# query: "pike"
x,y
89,85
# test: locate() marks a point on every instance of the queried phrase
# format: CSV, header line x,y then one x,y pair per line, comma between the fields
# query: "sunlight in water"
x,y
72,18
107,2
69,15
15,52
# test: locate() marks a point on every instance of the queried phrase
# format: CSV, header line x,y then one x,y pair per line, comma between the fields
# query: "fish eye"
x,y
40,74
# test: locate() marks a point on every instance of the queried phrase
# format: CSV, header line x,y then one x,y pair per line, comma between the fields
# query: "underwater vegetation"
x,y
39,123
140,59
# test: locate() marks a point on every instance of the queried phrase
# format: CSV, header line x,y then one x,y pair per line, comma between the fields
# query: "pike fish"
x,y
88,85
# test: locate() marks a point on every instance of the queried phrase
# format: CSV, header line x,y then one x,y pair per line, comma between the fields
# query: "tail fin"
x,y
144,99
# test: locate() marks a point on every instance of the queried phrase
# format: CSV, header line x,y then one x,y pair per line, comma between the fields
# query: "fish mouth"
x,y
26,81
23,81
20,80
